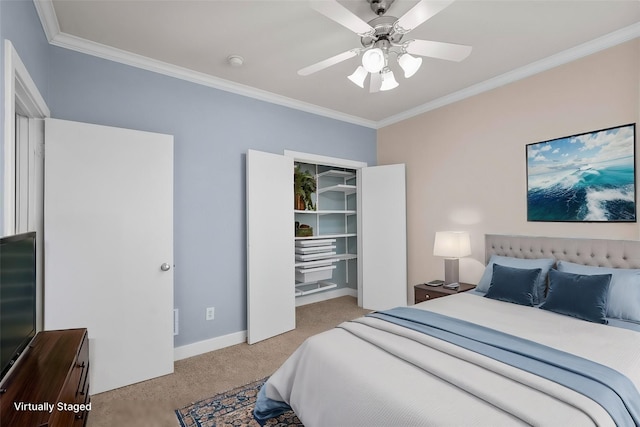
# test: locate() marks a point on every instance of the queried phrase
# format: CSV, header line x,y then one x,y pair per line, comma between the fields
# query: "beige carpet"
x,y
152,403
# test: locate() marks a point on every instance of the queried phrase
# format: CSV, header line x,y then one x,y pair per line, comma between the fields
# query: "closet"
x,y
357,244
327,259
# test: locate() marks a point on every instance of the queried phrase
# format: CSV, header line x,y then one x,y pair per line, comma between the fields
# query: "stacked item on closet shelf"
x,y
314,263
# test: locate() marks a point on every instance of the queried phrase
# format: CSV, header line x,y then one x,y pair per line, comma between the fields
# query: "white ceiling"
x,y
192,39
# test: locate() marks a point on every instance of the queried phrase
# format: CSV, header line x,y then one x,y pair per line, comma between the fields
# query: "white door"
x,y
270,246
382,237
108,241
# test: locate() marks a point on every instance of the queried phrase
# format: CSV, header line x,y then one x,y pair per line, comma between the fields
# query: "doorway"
x,y
23,178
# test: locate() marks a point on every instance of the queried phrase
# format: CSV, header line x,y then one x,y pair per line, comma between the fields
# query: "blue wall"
x,y
213,130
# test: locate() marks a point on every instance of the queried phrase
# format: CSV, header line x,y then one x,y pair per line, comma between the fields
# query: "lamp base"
x,y
451,270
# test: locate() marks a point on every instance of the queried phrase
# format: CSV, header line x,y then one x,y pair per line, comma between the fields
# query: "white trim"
x,y
9,181
48,18
609,40
206,346
324,296
325,160
19,89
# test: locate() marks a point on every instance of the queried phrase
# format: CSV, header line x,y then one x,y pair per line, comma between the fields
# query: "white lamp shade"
x,y
373,60
358,76
388,81
452,244
410,64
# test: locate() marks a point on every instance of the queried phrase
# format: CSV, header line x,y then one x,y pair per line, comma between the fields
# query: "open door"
x,y
382,237
109,247
271,308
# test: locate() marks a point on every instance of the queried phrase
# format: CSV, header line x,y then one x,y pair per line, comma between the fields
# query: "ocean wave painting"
x,y
586,177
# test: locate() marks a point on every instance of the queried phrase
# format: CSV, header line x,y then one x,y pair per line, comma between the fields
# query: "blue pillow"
x,y
624,292
544,264
514,285
578,295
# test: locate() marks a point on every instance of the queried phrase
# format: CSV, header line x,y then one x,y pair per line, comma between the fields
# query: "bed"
x,y
550,337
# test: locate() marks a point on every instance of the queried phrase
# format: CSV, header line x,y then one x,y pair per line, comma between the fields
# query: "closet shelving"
x,y
335,224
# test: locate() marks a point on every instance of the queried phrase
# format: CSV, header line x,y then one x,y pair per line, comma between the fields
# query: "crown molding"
x,y
53,33
609,40
48,18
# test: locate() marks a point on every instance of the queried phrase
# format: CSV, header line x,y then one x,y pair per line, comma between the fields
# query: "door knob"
x,y
165,267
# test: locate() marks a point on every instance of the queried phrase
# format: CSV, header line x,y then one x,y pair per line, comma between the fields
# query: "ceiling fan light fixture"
x,y
388,80
383,36
358,76
410,64
373,60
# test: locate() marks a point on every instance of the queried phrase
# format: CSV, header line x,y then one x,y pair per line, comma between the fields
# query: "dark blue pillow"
x,y
516,285
578,295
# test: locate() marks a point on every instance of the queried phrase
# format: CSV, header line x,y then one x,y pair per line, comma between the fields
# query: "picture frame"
x,y
586,177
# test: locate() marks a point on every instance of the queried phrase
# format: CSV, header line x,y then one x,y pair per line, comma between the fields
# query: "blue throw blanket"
x,y
612,390
266,408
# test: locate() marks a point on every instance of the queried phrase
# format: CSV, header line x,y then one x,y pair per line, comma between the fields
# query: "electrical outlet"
x,y
210,313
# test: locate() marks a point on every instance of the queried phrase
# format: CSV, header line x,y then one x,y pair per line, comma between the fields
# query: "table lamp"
x,y
452,245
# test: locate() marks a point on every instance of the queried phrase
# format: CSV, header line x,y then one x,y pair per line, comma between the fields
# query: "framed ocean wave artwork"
x,y
588,177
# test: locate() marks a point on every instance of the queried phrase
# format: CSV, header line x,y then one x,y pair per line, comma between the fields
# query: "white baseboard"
x,y
206,346
323,296
217,343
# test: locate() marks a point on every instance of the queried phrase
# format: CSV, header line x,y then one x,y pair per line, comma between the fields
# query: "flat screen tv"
x,y
17,296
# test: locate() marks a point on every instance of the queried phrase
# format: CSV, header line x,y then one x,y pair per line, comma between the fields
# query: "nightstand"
x,y
423,292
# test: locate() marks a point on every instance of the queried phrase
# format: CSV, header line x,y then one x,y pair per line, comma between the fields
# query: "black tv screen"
x,y
17,296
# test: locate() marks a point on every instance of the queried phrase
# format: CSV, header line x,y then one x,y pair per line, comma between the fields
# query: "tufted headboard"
x,y
596,252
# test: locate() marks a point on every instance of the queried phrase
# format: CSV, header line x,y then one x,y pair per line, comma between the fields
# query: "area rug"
x,y
231,408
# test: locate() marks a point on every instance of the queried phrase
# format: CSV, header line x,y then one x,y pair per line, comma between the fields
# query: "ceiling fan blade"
x,y
375,82
343,16
440,50
419,13
328,62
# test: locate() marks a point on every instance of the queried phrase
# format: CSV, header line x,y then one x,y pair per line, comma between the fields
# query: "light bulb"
x,y
409,64
358,76
373,60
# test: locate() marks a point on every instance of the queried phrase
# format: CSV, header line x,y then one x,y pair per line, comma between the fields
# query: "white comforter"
x,y
374,373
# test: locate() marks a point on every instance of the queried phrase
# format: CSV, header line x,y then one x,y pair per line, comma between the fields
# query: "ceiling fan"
x,y
383,36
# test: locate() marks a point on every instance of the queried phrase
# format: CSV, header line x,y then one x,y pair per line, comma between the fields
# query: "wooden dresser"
x,y
49,386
